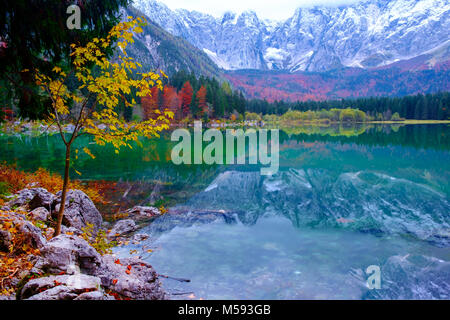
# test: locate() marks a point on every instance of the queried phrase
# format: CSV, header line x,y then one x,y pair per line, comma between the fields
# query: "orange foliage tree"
x,y
201,101
171,101
150,104
186,94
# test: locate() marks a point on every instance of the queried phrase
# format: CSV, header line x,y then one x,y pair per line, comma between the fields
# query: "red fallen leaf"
x,y
114,281
143,265
61,273
127,272
117,261
129,267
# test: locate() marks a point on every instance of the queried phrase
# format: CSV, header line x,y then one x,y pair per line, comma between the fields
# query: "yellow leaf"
x,y
88,152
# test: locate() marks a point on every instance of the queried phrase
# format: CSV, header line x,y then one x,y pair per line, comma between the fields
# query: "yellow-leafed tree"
x,y
101,83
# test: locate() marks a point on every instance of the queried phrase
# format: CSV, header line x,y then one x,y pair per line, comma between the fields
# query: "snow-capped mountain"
x,y
367,34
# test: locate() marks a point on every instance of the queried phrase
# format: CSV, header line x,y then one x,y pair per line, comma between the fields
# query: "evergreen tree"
x,y
36,36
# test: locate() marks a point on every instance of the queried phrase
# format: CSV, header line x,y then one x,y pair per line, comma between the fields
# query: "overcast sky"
x,y
270,9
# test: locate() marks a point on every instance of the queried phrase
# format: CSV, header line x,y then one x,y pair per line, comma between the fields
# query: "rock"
x,y
132,278
63,287
413,277
94,295
68,253
79,210
49,232
138,238
148,212
71,230
43,198
5,208
122,228
24,197
33,234
40,214
5,240
7,297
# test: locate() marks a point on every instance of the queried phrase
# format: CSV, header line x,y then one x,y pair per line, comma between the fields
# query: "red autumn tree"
x,y
150,104
201,101
171,101
186,94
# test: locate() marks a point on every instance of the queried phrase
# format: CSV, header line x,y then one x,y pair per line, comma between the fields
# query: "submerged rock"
x,y
413,277
185,217
79,210
146,212
138,238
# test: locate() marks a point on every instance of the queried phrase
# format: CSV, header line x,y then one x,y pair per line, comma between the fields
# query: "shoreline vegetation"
x,y
37,127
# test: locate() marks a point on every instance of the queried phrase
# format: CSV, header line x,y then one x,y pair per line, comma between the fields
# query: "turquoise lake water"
x,y
343,200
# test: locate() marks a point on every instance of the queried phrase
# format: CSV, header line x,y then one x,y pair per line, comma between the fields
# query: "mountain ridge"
x,y
367,34
157,49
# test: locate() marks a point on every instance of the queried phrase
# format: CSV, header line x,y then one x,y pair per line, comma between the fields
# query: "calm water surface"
x,y
344,199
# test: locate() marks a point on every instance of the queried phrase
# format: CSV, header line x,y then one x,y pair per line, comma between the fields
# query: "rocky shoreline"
x,y
68,267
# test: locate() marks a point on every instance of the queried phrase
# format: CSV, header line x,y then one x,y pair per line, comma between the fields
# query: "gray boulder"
x,y
122,228
63,287
5,240
71,230
32,234
40,196
94,295
68,253
131,278
79,210
147,212
41,214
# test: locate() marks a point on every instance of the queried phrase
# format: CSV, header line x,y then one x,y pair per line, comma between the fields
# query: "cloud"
x,y
269,9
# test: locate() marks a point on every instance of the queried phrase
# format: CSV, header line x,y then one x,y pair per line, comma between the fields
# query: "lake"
x,y
344,199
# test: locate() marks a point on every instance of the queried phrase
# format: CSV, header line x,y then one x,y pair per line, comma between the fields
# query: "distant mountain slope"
x,y
156,48
367,34
402,78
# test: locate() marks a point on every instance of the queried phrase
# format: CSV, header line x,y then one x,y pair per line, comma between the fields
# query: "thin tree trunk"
x,y
64,192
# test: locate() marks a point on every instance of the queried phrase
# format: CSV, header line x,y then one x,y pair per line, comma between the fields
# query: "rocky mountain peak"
x,y
367,34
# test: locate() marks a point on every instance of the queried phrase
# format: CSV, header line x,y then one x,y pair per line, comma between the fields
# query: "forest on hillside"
x,y
192,97
207,98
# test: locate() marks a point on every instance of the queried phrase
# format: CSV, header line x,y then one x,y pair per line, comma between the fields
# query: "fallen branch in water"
x,y
172,278
180,293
